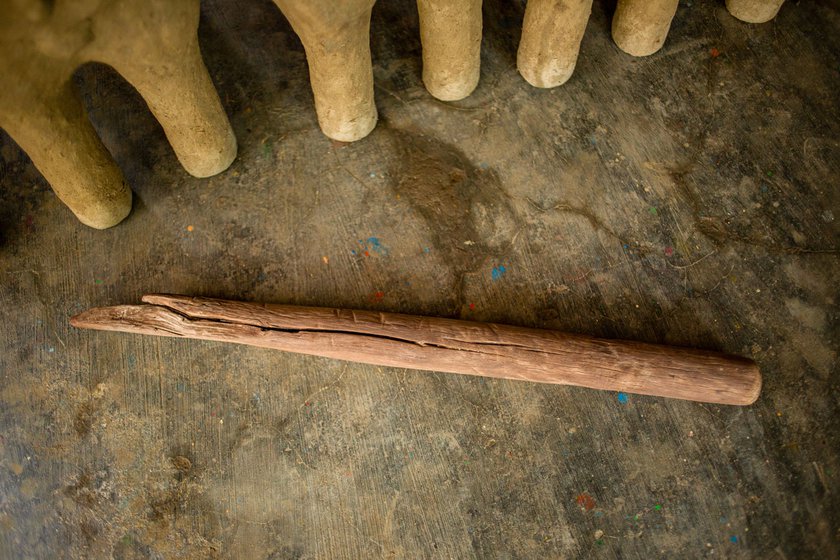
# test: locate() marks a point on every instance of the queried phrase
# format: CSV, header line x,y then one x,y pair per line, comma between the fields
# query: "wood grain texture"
x,y
449,345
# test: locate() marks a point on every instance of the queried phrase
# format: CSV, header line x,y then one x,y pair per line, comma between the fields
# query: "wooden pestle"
x,y
448,345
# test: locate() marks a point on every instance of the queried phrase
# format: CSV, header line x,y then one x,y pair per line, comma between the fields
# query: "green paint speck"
x,y
657,507
769,173
652,210
599,542
98,282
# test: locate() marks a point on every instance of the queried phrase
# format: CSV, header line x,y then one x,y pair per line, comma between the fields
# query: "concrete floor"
x,y
687,198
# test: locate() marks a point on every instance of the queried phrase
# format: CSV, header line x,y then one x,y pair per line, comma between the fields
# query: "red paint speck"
x,y
377,296
585,501
367,254
669,251
472,306
714,52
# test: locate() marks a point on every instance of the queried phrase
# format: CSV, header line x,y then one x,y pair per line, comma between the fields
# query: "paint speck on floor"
x,y
623,398
498,272
585,501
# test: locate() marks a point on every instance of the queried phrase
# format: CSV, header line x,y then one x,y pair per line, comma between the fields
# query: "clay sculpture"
x,y
153,45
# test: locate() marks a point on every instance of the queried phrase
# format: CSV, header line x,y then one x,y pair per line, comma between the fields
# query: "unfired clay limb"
x,y
57,135
336,37
754,11
551,36
639,27
170,75
450,31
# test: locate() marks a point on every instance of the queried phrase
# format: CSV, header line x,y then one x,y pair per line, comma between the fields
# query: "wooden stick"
x,y
449,345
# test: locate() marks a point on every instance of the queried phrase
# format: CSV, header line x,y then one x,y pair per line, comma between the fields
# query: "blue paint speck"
x,y
733,539
622,398
498,272
376,245
426,250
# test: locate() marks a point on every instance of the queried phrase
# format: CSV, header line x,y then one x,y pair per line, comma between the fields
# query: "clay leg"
x,y
754,11
336,37
551,36
61,142
154,45
450,31
639,27
182,98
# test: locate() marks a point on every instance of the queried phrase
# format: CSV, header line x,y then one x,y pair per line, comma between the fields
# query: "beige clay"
x,y
153,44
754,11
336,37
639,27
551,36
450,32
